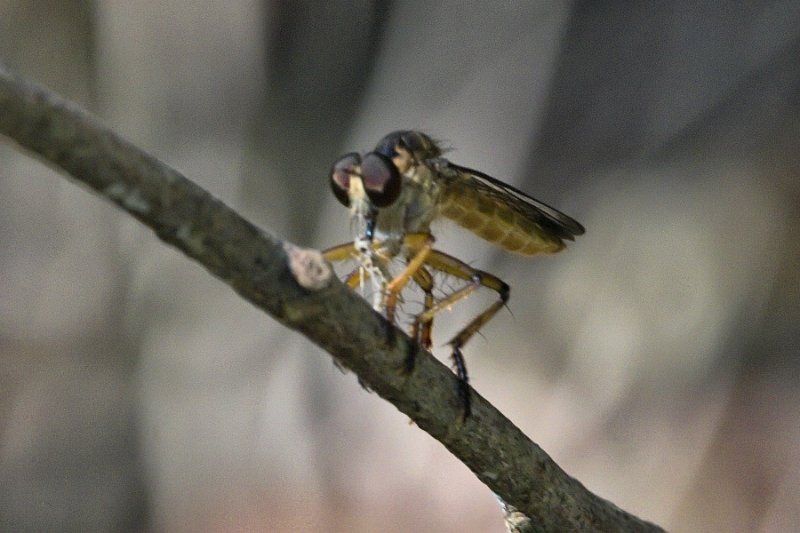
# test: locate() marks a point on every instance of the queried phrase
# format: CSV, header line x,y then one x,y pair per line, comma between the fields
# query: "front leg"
x,y
421,331
417,247
372,266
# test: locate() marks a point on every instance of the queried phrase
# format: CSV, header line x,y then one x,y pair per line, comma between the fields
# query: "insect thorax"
x,y
417,206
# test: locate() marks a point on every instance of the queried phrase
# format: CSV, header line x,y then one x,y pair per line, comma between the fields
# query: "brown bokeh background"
x,y
657,360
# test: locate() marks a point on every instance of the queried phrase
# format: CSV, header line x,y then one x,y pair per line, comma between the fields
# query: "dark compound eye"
x,y
382,181
340,176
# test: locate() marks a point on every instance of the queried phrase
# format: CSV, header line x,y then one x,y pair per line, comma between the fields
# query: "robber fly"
x,y
394,194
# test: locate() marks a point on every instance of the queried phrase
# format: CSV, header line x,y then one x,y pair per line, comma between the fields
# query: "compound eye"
x,y
346,166
381,179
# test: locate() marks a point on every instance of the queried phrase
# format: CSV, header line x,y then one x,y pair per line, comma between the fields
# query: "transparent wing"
x,y
501,213
524,205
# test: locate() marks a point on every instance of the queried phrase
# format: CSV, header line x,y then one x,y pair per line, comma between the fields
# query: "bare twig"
x,y
296,287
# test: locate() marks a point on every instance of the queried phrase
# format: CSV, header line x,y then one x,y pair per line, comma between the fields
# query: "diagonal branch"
x,y
297,288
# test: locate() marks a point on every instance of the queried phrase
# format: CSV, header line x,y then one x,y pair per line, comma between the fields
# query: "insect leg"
x,y
477,278
344,252
417,246
421,331
340,252
372,266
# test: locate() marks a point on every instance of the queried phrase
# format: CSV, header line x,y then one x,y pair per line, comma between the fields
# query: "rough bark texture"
x,y
295,287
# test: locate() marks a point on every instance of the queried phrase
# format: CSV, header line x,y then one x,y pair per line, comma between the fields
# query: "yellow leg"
x,y
416,246
421,330
477,278
340,252
418,249
347,251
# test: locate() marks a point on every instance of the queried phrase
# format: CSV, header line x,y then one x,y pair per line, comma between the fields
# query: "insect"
x,y
394,194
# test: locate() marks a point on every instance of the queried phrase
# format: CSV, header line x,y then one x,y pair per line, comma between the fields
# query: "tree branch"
x,y
297,288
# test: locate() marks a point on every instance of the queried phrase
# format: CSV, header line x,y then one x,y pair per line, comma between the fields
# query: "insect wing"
x,y
535,211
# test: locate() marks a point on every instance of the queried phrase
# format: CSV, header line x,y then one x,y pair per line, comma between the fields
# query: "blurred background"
x,y
657,359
